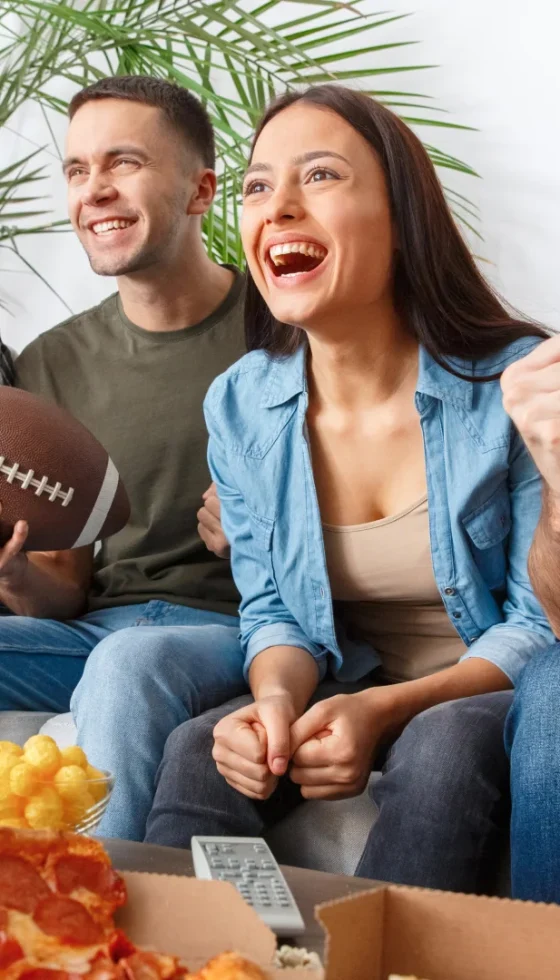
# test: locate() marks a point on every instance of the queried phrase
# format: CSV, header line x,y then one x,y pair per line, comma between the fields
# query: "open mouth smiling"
x,y
111,224
292,259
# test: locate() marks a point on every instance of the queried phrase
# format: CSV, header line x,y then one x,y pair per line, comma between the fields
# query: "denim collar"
x,y
287,378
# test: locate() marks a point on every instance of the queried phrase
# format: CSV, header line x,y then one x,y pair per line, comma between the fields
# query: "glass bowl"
x,y
83,820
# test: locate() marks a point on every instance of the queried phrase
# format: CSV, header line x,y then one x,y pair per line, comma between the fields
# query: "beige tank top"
x,y
382,579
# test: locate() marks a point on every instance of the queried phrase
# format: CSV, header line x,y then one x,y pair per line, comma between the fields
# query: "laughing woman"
x,y
379,504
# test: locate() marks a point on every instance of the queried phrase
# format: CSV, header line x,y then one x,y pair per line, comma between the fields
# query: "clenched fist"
x,y
531,393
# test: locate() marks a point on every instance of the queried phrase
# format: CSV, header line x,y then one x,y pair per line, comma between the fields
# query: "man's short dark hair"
x,y
182,109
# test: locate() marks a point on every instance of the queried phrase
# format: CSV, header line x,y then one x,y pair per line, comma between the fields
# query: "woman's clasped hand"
x,y
328,751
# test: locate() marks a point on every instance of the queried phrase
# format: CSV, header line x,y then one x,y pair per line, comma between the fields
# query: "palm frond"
x,y
233,54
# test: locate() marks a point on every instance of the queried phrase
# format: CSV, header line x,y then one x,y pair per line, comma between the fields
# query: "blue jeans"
x,y
533,741
443,796
136,672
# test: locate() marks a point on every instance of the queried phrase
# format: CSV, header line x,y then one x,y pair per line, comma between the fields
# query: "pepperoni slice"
x,y
79,871
120,946
68,921
10,952
21,886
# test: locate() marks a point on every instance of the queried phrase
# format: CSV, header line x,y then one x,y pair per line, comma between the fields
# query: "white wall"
x,y
498,72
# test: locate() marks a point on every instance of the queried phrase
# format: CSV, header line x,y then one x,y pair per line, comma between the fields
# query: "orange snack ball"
x,y
10,748
76,808
7,763
11,806
23,779
44,810
70,782
42,752
73,755
97,789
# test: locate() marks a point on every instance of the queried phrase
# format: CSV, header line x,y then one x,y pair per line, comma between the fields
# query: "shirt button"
x,y
473,639
322,593
449,591
457,615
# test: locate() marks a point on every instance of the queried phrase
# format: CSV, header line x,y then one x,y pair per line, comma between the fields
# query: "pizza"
x,y
58,896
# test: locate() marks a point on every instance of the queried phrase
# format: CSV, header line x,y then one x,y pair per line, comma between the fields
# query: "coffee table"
x,y
309,887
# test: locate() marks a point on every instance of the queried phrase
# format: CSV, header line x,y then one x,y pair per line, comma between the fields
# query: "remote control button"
x,y
212,849
216,863
267,865
249,863
266,903
265,874
226,849
233,863
259,848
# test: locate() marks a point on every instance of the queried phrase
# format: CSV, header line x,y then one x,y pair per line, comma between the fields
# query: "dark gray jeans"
x,y
443,797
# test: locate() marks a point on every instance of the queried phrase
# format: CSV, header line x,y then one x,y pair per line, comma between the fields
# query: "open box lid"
x,y
439,936
197,920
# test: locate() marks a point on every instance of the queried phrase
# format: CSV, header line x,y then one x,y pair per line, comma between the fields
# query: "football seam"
x,y
28,479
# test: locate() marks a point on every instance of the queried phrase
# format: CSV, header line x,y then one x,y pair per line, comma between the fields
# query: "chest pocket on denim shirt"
x,y
488,528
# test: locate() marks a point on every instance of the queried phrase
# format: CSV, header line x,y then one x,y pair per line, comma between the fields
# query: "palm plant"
x,y
233,54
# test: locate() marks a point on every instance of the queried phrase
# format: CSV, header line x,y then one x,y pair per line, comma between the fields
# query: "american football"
x,y
55,475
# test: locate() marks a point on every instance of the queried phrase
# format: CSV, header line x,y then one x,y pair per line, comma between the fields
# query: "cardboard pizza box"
x,y
197,920
439,936
430,935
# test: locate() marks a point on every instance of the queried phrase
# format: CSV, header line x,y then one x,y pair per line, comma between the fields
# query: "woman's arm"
x,y
335,742
252,745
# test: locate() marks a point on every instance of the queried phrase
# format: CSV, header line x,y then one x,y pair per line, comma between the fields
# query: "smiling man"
x,y
153,620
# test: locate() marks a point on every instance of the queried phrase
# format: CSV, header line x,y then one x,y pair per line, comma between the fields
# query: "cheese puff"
x,y
23,779
97,789
44,810
18,823
7,763
76,809
42,752
73,755
10,748
70,782
11,806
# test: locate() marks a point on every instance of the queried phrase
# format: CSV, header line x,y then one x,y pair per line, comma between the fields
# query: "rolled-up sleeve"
x,y
525,630
265,620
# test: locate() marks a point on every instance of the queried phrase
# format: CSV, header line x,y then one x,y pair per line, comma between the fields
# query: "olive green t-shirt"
x,y
141,395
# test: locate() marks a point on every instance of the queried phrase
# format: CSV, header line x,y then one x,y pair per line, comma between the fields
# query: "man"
x,y
532,397
156,612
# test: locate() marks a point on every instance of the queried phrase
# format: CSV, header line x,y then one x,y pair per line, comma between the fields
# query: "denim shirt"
x,y
484,500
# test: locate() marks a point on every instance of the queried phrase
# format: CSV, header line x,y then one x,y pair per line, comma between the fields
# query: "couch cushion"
x,y
18,726
325,835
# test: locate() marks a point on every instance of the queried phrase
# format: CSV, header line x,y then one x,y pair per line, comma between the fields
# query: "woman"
x,y
378,501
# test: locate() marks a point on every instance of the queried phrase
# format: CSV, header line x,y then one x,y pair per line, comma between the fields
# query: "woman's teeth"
x,y
277,252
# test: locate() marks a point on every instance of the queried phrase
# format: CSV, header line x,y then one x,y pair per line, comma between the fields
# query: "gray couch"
x,y
323,836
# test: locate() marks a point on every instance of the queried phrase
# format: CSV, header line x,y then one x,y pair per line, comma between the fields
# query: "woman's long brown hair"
x,y
445,301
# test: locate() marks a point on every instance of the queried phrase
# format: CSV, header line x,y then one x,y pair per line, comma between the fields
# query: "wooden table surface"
x,y
309,888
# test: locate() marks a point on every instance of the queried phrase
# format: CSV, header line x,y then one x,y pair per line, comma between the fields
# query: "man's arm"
x,y
49,584
544,559
531,390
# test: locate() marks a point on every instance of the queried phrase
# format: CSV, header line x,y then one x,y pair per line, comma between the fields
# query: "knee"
x,y
456,737
129,659
539,683
193,739
534,722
